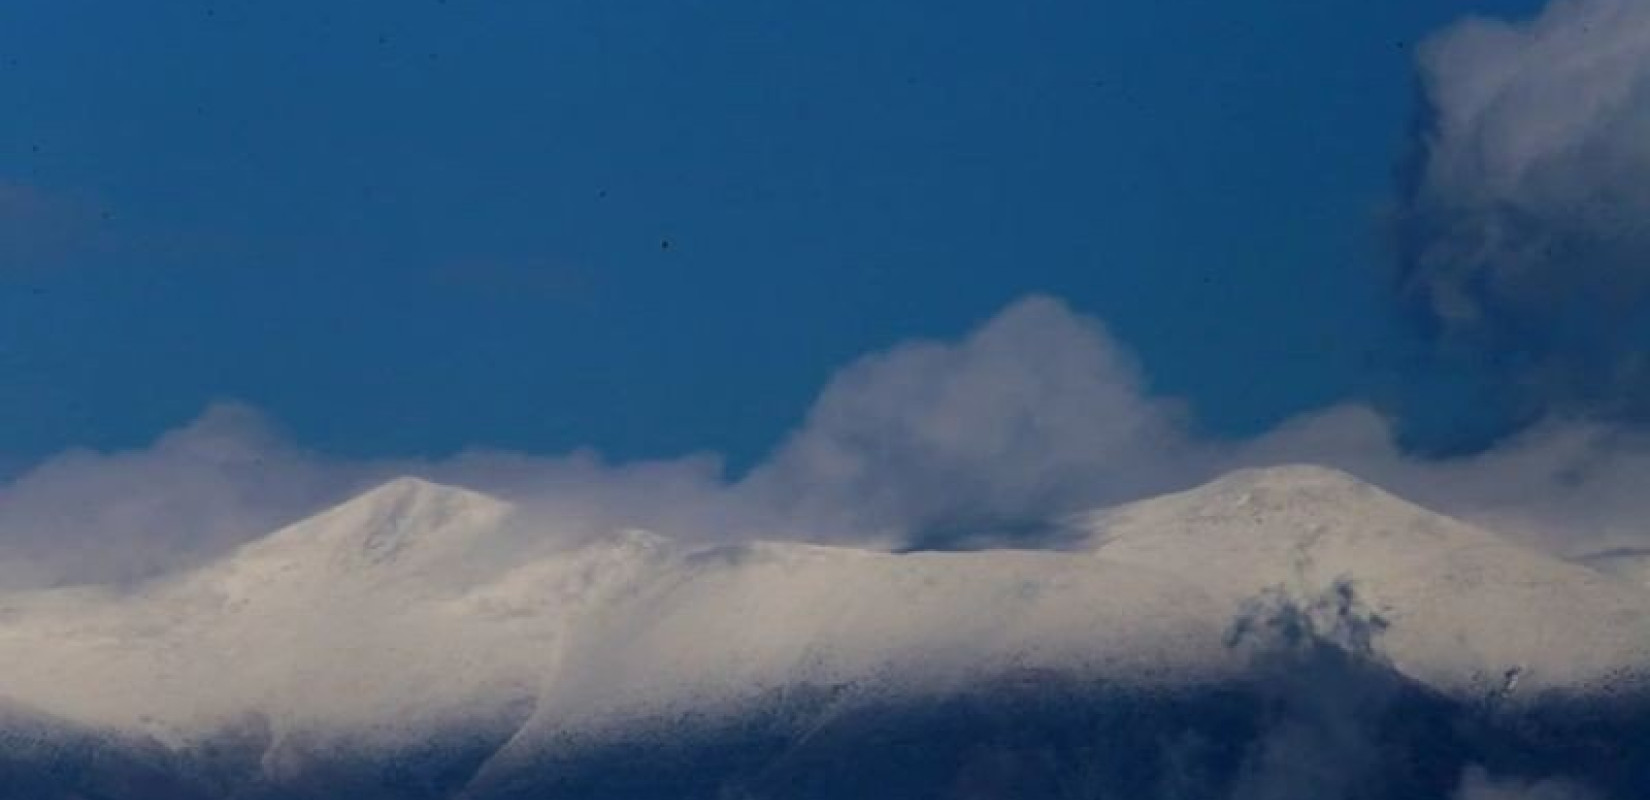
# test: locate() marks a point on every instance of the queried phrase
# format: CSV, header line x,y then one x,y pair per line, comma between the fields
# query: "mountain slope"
x,y
419,616
1629,563
396,612
1462,609
328,620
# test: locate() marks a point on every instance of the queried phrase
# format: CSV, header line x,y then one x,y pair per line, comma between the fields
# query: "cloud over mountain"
x,y
991,439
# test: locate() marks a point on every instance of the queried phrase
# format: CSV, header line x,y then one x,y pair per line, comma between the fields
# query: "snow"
x,y
418,605
1628,563
1464,606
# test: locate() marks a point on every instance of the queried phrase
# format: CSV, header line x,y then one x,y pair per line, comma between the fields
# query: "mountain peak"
x,y
1304,531
1292,497
1295,474
408,491
414,604
1295,513
389,524
408,498
1292,483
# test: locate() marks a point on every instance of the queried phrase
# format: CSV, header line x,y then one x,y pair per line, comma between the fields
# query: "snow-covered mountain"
x,y
415,603
1462,609
1630,563
417,610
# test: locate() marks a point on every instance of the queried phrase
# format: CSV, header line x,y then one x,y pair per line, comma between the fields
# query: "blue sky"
x,y
655,227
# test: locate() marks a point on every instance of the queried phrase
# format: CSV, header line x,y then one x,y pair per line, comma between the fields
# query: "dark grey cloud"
x,y
1525,225
1328,688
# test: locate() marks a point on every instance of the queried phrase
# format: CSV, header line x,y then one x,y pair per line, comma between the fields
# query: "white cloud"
x,y
1036,414
229,477
226,477
1038,411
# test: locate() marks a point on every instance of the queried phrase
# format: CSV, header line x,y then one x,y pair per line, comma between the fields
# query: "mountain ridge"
x,y
393,613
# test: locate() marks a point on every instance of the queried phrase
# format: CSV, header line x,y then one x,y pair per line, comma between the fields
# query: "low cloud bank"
x,y
983,441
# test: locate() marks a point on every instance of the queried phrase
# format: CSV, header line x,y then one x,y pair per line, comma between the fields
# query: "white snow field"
x,y
415,606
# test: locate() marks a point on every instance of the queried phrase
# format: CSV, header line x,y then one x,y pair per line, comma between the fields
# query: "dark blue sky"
x,y
652,227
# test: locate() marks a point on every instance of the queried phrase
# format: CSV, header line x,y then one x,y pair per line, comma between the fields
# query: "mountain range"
x,y
1277,633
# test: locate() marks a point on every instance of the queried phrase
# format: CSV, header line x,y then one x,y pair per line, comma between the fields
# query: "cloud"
x,y
231,476
108,517
1327,688
986,440
989,440
1525,230
1526,242
1569,486
1038,411
1477,784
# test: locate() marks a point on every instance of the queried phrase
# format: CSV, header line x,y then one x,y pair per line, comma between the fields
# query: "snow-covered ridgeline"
x,y
417,605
